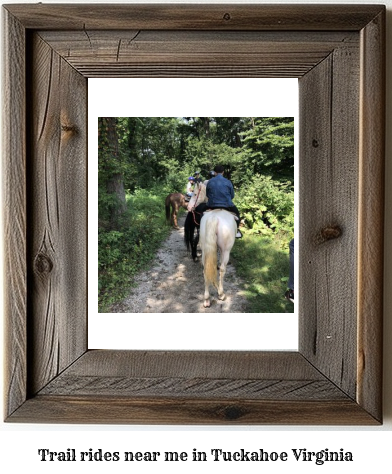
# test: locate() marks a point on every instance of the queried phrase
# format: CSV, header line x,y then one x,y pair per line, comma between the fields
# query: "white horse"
x,y
199,196
217,230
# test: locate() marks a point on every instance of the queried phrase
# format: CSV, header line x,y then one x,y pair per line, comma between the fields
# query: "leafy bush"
x,y
176,176
267,206
204,155
269,147
123,253
263,264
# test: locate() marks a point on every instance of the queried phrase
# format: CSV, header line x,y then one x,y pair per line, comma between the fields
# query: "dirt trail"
x,y
175,284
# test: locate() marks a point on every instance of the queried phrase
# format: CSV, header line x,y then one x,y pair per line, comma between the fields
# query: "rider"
x,y
220,193
197,177
211,175
189,186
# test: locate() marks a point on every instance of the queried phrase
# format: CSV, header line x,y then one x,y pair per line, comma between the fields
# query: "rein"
x,y
194,218
197,197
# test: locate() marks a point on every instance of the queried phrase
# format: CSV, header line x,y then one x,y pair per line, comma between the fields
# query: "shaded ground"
x,y
175,284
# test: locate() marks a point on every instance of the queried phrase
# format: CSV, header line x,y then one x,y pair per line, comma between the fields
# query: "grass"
x,y
125,252
263,264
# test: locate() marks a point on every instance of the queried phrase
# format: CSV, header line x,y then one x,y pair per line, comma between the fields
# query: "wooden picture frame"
x,y
338,54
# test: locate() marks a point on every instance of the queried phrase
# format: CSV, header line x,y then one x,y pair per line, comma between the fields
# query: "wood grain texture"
x,y
57,215
14,209
208,364
196,53
329,98
118,410
206,374
371,216
192,387
201,387
335,378
195,17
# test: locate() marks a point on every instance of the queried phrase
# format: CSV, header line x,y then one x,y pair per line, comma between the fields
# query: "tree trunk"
x,y
115,183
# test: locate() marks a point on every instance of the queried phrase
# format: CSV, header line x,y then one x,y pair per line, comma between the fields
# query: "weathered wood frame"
x,y
337,52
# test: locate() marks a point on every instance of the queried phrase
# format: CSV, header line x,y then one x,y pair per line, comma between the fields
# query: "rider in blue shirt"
x,y
220,193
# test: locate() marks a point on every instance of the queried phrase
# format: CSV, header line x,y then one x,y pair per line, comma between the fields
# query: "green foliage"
x,y
267,206
123,253
269,147
151,144
175,176
203,155
112,165
264,265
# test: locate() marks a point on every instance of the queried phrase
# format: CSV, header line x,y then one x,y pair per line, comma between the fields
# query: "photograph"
x,y
196,214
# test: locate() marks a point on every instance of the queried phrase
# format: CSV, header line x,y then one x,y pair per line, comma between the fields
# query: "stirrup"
x,y
238,234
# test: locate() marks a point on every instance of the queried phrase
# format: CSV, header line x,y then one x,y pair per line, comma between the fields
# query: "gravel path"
x,y
175,284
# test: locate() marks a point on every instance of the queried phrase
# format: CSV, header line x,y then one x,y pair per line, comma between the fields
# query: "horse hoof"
x,y
222,297
207,304
176,227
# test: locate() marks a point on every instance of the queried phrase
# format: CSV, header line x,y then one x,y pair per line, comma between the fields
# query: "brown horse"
x,y
175,201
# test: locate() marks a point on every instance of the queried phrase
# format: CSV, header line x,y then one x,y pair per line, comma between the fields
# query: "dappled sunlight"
x,y
175,284
264,264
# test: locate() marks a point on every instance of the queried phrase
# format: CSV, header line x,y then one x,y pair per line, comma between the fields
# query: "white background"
x,y
184,98
370,446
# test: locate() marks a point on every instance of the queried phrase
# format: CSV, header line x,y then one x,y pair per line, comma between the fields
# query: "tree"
x,y
112,203
269,147
229,129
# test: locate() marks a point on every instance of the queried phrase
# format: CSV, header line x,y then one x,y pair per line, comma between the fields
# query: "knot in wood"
x,y
328,233
43,264
227,16
232,413
315,143
68,128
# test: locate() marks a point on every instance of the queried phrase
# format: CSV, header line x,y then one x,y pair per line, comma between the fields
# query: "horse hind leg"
x,y
222,270
195,242
207,282
174,216
207,301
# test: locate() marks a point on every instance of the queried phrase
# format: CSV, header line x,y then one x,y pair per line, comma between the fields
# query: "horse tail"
x,y
167,207
210,253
